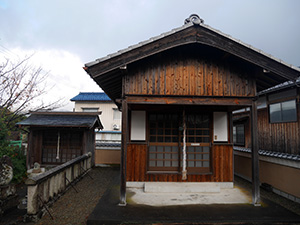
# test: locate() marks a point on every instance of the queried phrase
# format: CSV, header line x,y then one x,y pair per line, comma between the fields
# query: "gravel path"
x,y
74,208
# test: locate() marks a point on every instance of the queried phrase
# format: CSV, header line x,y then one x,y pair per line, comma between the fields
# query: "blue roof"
x,y
91,96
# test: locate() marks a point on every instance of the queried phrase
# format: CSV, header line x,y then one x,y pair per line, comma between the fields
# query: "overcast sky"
x,y
66,34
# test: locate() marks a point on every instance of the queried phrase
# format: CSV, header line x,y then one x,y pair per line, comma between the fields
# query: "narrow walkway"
x,y
74,208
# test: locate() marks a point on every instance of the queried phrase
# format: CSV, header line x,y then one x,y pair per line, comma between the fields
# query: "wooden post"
x,y
254,154
123,153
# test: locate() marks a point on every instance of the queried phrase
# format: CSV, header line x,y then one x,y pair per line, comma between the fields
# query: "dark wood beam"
x,y
209,101
254,154
123,153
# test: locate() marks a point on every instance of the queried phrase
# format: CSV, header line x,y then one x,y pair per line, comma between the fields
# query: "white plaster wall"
x,y
106,117
220,126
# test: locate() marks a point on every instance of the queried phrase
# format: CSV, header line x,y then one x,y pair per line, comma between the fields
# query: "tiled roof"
x,y
91,96
108,144
62,120
185,26
281,86
280,155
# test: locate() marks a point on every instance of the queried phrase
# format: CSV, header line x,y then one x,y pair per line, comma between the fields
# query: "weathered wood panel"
x,y
34,147
280,137
189,77
222,163
136,162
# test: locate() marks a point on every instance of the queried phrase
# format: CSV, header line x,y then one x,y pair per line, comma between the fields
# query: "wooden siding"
x,y
222,158
189,77
42,145
280,137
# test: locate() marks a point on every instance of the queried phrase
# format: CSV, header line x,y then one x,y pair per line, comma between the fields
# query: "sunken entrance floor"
x,y
185,193
229,206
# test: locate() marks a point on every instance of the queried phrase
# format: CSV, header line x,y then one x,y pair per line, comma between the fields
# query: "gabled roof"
x,y
63,119
91,96
108,71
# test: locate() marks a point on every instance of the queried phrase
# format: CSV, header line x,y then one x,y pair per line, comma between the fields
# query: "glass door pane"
x,y
198,142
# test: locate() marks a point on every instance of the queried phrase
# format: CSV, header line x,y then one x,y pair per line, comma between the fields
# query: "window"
x,y
117,114
283,112
239,134
164,145
61,146
166,137
90,109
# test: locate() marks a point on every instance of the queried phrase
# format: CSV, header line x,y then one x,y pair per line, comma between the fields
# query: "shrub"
x,y
16,154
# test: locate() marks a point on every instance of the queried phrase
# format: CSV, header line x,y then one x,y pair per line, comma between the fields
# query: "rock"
x,y
36,168
7,190
6,170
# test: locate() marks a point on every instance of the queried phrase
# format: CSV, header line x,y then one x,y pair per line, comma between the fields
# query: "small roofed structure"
x,y
57,137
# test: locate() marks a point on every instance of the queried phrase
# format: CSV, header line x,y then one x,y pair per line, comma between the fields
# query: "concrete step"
x,y
181,187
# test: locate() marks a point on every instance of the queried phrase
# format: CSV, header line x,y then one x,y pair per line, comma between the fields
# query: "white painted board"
x,y
138,125
220,127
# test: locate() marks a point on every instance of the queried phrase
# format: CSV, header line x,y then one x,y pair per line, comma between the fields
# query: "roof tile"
x,y
91,96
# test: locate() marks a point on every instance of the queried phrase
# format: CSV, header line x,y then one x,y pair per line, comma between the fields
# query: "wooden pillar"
x,y
29,149
123,153
254,154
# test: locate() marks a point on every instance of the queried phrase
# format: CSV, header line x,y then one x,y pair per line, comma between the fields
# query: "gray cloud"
x,y
93,29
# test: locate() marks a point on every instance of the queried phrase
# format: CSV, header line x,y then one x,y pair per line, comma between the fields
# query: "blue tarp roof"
x,y
91,96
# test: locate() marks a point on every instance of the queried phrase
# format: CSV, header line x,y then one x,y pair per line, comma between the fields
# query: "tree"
x,y
21,88
15,154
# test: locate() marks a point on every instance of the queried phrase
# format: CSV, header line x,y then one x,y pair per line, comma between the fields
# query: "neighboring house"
x,y
99,101
279,139
57,137
177,92
108,140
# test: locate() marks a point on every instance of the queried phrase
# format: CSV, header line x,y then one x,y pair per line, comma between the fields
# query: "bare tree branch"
x,y
21,85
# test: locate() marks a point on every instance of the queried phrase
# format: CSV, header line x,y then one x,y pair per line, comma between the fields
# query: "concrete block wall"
x,y
44,187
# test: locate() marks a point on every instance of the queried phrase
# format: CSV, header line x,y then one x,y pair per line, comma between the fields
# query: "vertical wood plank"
x,y
220,81
168,79
157,80
215,79
192,78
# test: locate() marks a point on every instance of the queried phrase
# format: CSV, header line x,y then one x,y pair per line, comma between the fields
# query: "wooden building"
x,y
57,137
176,92
278,122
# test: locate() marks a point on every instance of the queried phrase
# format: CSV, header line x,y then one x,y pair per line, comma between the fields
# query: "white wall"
x,y
107,115
138,125
220,126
